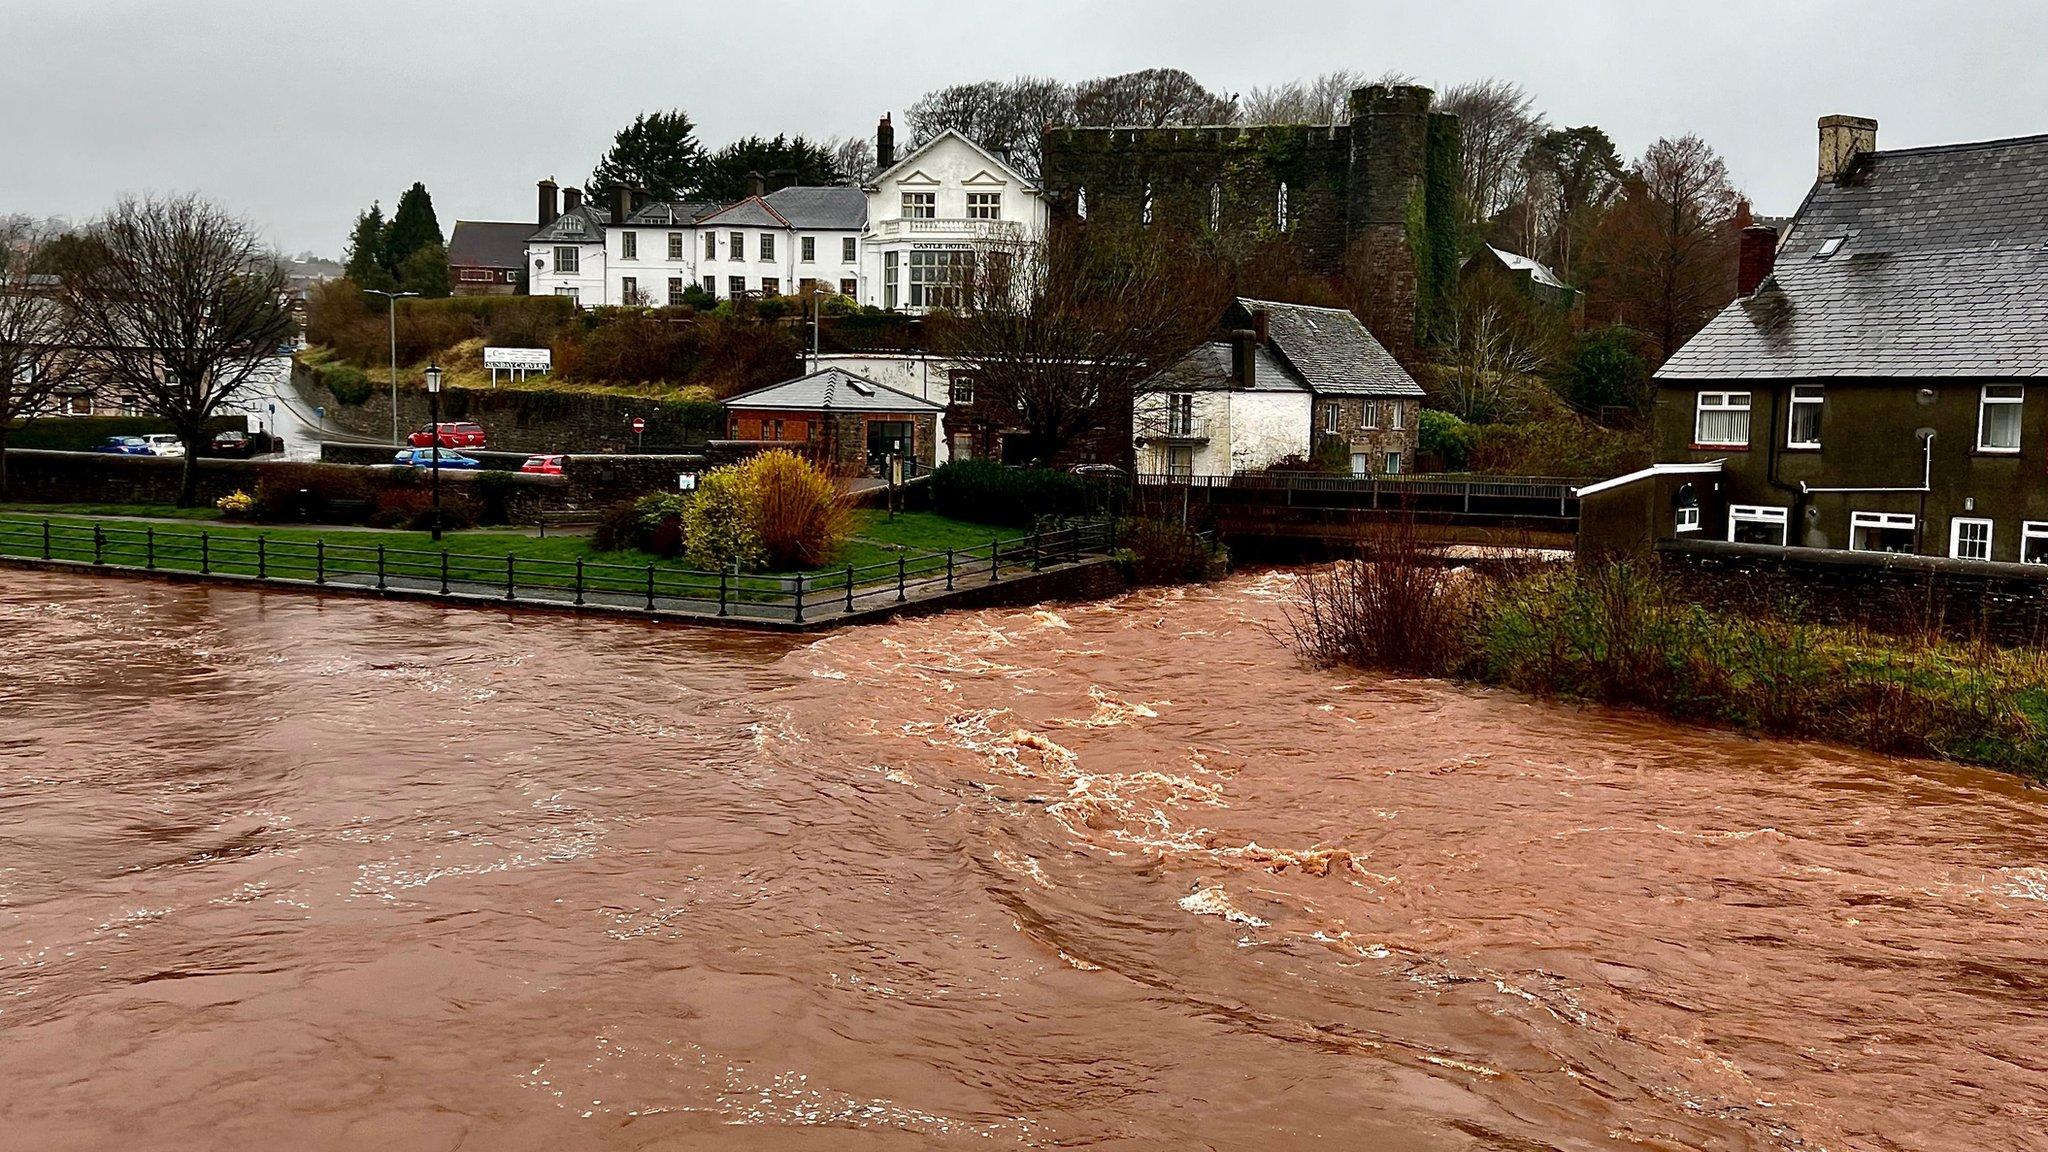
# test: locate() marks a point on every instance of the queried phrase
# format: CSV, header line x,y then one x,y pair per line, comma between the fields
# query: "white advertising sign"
x,y
531,359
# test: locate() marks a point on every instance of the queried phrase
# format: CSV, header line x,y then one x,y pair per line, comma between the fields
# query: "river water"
x,y
286,872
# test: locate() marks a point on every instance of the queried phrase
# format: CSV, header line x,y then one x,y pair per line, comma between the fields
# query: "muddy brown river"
x,y
284,872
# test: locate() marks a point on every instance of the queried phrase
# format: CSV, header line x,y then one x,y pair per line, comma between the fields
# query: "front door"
x,y
887,438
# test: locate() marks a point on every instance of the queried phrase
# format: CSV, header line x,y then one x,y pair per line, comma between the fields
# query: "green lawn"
x,y
159,511
877,540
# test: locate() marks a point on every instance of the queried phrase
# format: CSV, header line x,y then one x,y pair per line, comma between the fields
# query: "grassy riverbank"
x,y
1622,634
876,539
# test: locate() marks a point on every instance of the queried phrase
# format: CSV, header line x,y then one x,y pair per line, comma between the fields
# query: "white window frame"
x,y
675,246
920,205
1398,419
1331,417
1687,518
1804,396
1393,464
1956,524
1879,520
574,294
1760,514
2031,530
629,245
984,205
568,260
1722,402
1369,419
1985,400
960,387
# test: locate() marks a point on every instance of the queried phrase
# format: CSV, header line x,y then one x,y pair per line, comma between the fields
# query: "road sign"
x,y
639,425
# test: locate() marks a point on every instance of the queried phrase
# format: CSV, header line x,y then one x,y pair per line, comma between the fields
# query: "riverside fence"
x,y
651,588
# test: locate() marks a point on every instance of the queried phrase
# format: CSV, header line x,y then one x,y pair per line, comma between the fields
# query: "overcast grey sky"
x,y
298,113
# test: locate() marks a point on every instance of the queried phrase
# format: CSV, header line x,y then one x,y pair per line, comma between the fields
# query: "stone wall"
x,y
1360,197
1376,440
516,420
1885,592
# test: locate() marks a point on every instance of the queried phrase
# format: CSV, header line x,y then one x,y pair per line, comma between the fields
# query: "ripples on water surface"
x,y
283,872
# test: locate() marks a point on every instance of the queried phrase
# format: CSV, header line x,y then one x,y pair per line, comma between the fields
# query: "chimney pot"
x,y
548,203
1756,257
1842,139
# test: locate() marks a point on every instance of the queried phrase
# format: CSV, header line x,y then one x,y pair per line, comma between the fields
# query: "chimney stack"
x,y
1244,369
756,185
572,199
781,178
641,198
1842,139
622,204
548,210
1756,255
885,144
1259,328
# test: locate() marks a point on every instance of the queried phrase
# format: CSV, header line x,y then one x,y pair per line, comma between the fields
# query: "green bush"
x,y
350,384
1447,438
718,522
288,492
1609,371
986,492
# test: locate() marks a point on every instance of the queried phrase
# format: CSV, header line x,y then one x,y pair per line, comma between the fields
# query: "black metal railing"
x,y
651,587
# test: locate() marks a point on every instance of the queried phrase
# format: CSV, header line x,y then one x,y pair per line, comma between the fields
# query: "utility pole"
x,y
393,297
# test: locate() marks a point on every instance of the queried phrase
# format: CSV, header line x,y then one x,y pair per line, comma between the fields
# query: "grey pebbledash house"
x,y
1874,387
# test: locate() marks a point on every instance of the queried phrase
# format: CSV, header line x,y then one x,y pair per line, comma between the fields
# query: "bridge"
x,y
1293,511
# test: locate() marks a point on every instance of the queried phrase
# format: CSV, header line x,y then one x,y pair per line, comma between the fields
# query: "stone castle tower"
x,y
1372,200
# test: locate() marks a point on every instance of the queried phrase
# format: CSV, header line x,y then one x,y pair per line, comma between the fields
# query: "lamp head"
x,y
433,378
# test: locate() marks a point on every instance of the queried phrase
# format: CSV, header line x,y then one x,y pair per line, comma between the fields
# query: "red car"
x,y
453,435
547,465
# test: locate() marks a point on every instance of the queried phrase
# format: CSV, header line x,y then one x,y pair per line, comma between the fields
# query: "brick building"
x,y
838,419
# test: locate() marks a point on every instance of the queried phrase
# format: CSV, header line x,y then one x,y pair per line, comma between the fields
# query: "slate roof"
x,y
671,213
1331,351
753,212
832,390
585,225
822,207
1942,271
1209,369
488,244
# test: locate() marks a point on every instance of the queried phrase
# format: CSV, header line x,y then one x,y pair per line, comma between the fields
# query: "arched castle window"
x,y
1215,207
1280,208
1147,213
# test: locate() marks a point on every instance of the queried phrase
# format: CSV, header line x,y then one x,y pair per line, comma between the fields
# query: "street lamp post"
x,y
393,297
434,438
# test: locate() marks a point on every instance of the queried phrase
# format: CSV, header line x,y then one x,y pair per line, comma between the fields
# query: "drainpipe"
x,y
1925,486
1772,445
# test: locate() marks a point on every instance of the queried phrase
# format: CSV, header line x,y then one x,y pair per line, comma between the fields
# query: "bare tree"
x,y
1496,348
1324,99
1152,98
1060,334
38,355
177,302
1662,256
1497,122
855,158
1008,118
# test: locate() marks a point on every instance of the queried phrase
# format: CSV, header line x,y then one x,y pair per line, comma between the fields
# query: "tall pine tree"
x,y
658,151
412,228
366,251
729,167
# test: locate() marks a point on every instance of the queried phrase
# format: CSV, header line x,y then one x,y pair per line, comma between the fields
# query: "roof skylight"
x,y
1829,247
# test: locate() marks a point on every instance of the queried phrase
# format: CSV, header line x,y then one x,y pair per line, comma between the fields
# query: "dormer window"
x,y
1829,247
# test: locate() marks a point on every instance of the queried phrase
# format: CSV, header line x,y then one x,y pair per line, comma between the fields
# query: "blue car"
x,y
125,446
424,458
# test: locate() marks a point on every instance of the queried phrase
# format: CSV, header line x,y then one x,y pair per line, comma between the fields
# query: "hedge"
x,y
85,433
986,492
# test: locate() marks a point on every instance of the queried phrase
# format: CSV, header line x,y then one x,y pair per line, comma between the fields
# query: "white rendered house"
x,y
930,211
772,245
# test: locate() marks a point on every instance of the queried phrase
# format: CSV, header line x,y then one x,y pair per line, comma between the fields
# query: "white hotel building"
x,y
899,243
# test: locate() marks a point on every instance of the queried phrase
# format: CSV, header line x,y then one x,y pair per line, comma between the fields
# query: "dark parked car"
x,y
452,435
233,442
424,458
125,446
